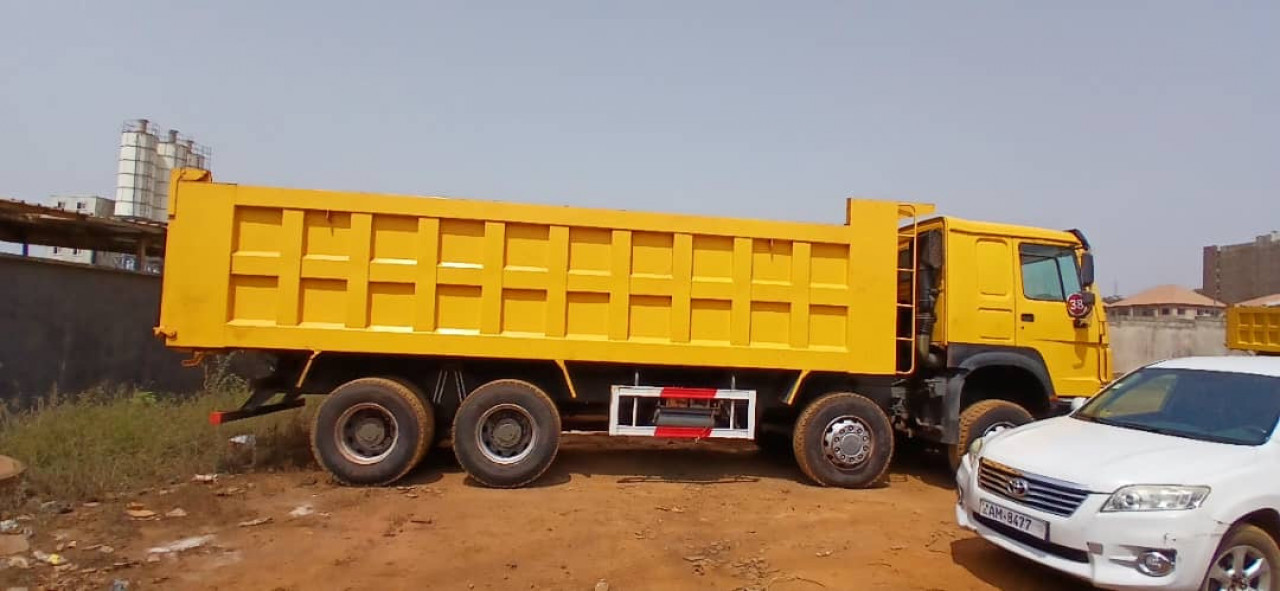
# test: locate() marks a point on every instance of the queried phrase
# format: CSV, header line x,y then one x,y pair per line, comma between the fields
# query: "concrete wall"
x,y
1138,341
72,327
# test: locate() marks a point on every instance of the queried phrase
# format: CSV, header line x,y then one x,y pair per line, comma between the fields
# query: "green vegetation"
x,y
107,441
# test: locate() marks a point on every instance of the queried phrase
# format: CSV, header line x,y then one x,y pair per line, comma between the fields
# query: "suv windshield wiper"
x,y
1172,432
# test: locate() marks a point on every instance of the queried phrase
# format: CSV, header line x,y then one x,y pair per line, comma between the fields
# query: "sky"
x,y
1153,126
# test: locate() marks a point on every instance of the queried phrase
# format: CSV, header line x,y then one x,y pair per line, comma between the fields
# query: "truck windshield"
x,y
1224,407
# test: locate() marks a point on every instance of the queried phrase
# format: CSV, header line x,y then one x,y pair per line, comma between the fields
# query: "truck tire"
x,y
372,431
843,440
983,418
506,433
1243,547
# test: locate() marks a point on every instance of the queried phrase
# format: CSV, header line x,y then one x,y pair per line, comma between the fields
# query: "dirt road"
x,y
639,514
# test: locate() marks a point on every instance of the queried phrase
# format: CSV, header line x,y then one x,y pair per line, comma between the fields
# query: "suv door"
x,y
1072,350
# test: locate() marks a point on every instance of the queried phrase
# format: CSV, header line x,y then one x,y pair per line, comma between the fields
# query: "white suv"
x,y
1167,479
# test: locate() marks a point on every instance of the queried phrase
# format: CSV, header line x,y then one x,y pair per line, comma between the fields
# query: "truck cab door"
x,y
1072,350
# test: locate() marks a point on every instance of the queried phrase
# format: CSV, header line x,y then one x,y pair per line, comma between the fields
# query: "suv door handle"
x,y
1028,317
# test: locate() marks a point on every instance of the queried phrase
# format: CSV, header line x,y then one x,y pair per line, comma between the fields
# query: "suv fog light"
x,y
1155,563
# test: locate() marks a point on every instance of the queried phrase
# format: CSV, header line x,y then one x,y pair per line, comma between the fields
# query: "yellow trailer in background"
x,y
500,322
1254,328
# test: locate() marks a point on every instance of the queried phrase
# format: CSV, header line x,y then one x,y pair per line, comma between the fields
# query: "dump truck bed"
x,y
302,270
1254,329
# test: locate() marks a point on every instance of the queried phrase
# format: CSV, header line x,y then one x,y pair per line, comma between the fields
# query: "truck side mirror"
x,y
1086,270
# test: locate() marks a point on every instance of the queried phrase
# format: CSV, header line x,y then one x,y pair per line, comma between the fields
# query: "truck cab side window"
x,y
1049,273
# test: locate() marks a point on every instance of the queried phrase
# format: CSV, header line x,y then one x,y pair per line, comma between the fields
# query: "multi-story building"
x,y
1239,272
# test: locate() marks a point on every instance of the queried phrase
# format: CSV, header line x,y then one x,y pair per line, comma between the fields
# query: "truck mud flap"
x,y
221,417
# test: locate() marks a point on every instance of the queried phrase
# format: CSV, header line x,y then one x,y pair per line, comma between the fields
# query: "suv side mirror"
x,y
1086,270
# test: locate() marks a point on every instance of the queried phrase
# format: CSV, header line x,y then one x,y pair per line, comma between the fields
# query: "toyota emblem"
x,y
1018,487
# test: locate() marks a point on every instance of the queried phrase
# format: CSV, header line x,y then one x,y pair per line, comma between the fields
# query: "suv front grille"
x,y
1038,492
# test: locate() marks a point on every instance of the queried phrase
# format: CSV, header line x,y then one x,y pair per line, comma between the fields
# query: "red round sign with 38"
x,y
1076,306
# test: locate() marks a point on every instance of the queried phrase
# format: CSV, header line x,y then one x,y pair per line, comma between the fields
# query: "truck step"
x,y
697,413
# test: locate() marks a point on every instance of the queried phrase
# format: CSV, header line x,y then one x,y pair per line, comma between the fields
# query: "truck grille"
x,y
1038,492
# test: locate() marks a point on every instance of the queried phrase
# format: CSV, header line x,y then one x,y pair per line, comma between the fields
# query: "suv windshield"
x,y
1235,408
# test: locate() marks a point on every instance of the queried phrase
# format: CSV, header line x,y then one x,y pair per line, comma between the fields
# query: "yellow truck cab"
x,y
1016,323
498,325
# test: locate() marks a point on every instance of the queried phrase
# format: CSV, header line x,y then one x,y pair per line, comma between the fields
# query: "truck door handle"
x,y
1028,317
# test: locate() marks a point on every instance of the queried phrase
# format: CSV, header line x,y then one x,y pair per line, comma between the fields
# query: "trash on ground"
x,y
49,559
182,545
178,512
255,522
56,507
205,478
302,511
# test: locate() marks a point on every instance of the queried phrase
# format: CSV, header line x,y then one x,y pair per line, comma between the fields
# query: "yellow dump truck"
x,y
501,324
1254,328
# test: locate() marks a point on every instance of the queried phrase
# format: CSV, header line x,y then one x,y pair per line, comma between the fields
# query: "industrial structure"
x,y
86,205
146,160
1239,272
122,233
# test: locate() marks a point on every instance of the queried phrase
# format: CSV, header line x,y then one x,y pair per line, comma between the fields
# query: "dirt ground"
x,y
636,514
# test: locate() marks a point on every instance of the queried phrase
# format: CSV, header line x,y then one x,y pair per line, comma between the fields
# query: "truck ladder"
x,y
910,233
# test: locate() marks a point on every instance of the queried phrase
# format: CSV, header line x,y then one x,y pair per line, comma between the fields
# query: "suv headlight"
x,y
975,448
1150,497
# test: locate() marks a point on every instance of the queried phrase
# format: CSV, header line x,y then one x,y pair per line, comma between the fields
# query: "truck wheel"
x,y
984,418
506,433
1247,558
372,431
843,440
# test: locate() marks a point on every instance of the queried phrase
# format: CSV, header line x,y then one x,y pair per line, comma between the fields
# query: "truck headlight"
x,y
1150,497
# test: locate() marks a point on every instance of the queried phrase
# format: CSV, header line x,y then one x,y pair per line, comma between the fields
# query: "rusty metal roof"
x,y
1267,301
28,223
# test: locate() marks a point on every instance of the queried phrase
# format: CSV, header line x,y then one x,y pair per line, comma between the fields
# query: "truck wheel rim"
x,y
847,442
507,434
366,433
1241,568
